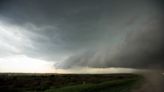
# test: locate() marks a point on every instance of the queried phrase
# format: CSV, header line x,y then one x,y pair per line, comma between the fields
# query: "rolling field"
x,y
69,82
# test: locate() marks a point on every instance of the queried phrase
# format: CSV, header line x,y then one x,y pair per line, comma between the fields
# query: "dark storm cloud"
x,y
61,26
140,49
92,33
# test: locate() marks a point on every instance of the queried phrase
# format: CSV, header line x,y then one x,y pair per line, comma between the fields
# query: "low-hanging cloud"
x,y
139,49
84,33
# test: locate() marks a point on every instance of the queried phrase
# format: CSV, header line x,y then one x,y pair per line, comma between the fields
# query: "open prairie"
x,y
68,82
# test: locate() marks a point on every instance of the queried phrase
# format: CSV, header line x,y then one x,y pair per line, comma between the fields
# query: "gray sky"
x,y
84,33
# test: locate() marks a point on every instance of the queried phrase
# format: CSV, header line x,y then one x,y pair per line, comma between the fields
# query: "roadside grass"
x,y
122,85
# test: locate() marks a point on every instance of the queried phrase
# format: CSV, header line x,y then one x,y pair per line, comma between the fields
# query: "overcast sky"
x,y
82,33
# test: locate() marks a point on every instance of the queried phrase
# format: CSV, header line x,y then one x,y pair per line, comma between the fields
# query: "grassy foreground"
x,y
69,82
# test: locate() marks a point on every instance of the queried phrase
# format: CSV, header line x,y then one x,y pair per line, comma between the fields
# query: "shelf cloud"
x,y
84,33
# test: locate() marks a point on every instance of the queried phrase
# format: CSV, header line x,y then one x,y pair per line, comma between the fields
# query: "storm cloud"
x,y
84,33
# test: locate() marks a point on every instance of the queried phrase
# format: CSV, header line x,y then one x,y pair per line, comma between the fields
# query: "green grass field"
x,y
69,82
